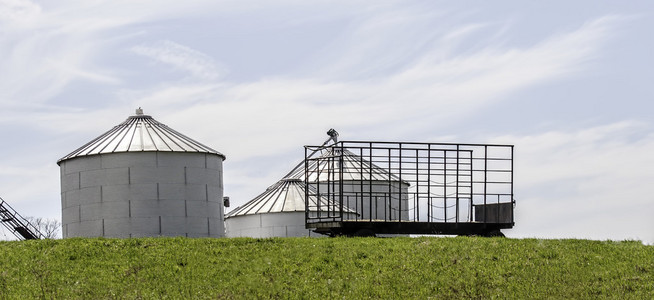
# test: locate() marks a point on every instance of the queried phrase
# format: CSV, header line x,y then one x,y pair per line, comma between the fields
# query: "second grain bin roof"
x,y
287,195
137,134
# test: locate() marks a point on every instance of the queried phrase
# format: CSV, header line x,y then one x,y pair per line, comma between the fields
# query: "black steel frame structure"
x,y
409,188
17,224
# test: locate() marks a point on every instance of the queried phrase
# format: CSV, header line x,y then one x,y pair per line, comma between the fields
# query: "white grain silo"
x,y
277,212
140,179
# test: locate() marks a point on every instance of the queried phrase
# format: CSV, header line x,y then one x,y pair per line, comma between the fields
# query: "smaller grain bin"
x,y
141,179
277,212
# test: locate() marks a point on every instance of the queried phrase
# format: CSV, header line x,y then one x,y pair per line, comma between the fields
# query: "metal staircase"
x,y
16,224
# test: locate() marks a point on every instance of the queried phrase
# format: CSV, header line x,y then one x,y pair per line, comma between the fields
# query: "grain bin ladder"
x,y
18,225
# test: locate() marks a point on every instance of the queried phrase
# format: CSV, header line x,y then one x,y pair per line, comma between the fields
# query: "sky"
x,y
569,83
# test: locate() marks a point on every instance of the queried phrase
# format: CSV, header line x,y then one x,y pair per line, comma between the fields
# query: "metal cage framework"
x,y
409,188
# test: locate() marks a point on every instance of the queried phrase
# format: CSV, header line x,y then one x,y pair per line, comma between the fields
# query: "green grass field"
x,y
302,268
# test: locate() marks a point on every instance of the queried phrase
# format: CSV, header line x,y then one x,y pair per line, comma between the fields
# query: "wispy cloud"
x,y
17,11
55,45
570,181
44,49
431,88
180,57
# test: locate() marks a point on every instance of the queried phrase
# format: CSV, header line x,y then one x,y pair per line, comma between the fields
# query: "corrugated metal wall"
x,y
138,194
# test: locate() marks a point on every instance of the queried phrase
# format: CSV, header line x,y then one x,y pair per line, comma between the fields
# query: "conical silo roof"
x,y
140,133
287,195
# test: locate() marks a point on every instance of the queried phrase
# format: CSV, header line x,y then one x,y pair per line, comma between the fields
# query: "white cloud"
x,y
430,88
585,183
17,11
44,52
181,57
54,45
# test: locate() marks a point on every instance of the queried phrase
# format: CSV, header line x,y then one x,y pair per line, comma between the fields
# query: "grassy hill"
x,y
303,268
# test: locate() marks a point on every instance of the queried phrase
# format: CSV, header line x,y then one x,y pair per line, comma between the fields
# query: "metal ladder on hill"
x,y
19,226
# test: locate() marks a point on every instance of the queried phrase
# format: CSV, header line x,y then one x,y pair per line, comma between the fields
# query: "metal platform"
x,y
409,188
368,228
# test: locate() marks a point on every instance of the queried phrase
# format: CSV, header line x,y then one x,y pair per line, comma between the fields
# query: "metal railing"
x,y
409,182
17,224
